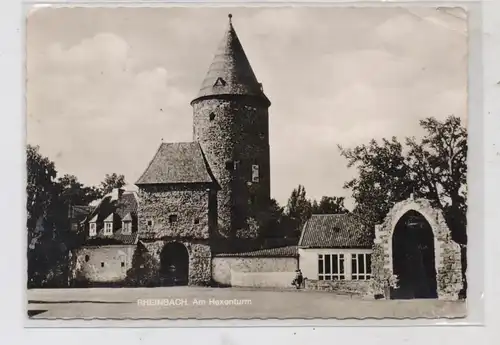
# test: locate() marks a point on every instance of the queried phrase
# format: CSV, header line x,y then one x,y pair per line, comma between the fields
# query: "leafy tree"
x,y
434,168
40,186
298,210
112,181
298,206
329,205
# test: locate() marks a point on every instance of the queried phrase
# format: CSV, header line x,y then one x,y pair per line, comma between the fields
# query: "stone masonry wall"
x,y
447,252
351,287
104,263
200,256
188,202
235,129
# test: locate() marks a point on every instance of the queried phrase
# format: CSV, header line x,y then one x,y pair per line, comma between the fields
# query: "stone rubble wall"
x,y
350,287
188,202
239,131
447,252
200,270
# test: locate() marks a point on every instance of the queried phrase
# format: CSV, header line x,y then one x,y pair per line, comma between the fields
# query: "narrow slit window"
x,y
211,116
172,218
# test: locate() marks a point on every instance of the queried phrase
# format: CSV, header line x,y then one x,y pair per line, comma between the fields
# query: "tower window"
x,y
123,264
149,222
172,218
211,116
255,173
220,82
102,264
87,258
197,220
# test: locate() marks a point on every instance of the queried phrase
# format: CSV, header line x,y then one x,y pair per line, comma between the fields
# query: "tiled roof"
x,y
336,231
127,204
115,209
176,163
230,72
290,251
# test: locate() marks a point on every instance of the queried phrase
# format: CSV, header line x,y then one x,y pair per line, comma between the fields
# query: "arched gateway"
x,y
174,264
416,246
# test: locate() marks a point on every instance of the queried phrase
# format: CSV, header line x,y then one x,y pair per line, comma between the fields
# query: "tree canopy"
x,y
433,167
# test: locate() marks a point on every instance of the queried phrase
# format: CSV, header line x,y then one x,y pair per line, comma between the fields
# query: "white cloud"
x,y
94,100
108,84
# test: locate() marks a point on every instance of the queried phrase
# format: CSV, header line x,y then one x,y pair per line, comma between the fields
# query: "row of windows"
x,y
87,258
332,267
108,228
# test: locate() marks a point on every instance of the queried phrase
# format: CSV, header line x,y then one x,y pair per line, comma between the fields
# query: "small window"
x,y
102,264
255,173
172,218
93,229
123,264
87,258
197,220
220,82
230,165
211,116
150,223
127,227
108,228
74,226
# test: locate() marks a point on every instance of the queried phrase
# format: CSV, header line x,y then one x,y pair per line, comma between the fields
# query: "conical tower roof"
x,y
230,72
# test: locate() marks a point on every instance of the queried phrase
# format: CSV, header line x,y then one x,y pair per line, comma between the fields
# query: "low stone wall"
x,y
101,265
254,271
351,287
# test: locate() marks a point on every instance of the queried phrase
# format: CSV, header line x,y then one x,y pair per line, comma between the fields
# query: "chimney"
x,y
116,193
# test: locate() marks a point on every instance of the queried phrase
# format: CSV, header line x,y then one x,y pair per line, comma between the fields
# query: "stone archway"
x,y
447,257
174,264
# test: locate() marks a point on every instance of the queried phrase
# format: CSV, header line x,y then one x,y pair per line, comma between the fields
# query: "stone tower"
x,y
231,124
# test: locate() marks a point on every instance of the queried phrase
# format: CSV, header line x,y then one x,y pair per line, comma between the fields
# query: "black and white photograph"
x,y
246,162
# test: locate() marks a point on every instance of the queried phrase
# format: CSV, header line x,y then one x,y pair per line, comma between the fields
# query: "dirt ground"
x,y
223,303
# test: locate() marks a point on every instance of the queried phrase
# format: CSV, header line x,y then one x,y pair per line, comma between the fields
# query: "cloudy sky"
x,y
105,86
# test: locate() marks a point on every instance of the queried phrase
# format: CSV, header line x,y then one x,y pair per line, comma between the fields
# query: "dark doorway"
x,y
174,269
413,258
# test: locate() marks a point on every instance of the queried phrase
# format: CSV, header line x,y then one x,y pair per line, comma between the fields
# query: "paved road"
x,y
222,303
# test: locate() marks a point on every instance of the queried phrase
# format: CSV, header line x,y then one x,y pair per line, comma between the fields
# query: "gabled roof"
x,y
176,163
230,72
109,218
108,207
127,218
290,251
336,231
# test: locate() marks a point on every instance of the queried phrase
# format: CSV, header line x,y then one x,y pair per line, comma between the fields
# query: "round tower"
x,y
231,123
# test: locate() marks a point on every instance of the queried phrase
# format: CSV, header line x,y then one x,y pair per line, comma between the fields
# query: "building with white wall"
x,y
335,253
